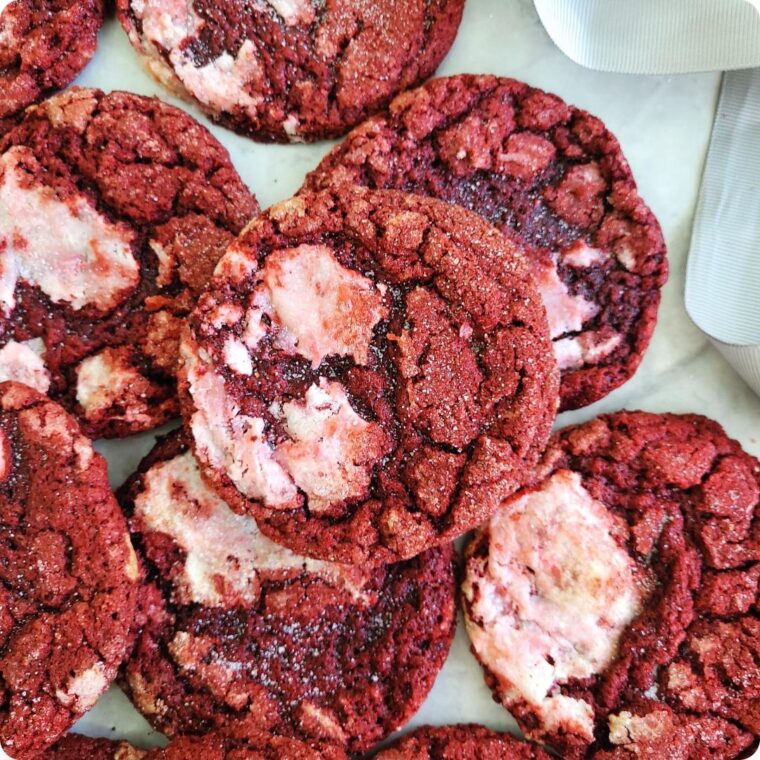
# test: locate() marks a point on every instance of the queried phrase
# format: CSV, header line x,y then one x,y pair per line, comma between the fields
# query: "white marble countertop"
x,y
664,126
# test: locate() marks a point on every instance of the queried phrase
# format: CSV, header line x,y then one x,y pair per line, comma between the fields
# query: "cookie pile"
x,y
365,373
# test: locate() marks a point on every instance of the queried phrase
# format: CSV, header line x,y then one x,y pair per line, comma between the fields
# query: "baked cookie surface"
x,y
368,374
239,631
549,175
234,744
44,44
614,602
460,742
69,574
113,212
291,69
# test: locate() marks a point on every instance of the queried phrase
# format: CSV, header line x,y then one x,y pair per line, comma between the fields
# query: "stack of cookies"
x,y
365,373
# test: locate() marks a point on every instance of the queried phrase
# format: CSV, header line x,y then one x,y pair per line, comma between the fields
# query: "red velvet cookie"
x,y
113,212
230,745
239,631
68,572
460,742
653,731
44,44
295,70
614,601
368,373
75,747
550,176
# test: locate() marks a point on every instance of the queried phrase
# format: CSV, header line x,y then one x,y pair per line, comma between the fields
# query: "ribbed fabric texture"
x,y
723,270
655,36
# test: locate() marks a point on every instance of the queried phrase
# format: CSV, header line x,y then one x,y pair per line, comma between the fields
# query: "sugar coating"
x,y
651,729
552,598
67,249
290,70
398,349
68,577
92,167
465,741
683,503
225,552
239,632
548,175
234,742
43,45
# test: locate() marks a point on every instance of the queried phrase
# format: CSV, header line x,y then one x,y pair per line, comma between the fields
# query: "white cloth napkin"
x,y
655,36
723,271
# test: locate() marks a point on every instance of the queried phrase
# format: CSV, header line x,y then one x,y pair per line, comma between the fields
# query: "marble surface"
x,y
664,125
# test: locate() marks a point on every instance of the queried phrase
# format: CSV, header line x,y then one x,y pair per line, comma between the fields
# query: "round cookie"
x,y
551,176
460,742
113,212
239,630
291,70
68,571
229,745
44,44
614,602
368,373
